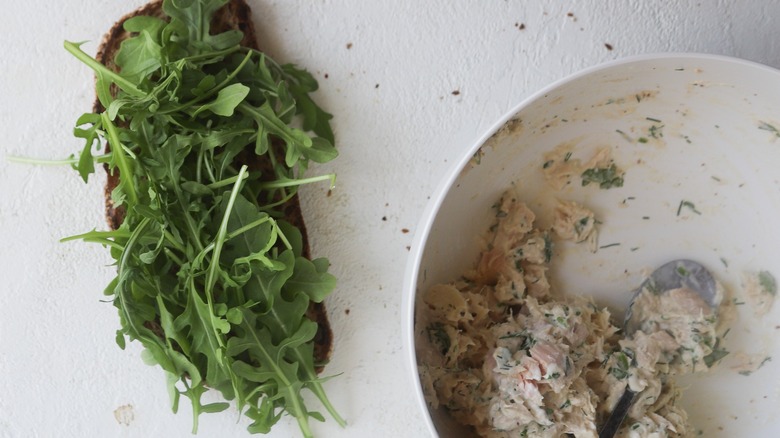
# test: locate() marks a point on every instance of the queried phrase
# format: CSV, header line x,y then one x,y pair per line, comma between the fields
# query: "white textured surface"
x,y
419,82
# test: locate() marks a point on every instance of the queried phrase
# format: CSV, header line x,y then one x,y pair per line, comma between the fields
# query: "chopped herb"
x,y
606,177
767,127
528,342
716,355
477,157
767,282
642,140
565,404
634,248
437,335
625,136
548,248
687,204
547,164
652,119
609,246
656,131
646,217
763,362
567,156
581,224
725,262
620,369
716,178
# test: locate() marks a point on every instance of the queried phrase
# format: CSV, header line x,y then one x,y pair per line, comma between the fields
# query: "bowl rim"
x,y
425,223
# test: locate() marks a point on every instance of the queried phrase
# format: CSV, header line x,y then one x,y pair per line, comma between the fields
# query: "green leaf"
x,y
141,55
314,118
214,407
227,100
201,327
767,282
295,139
234,316
120,339
308,279
86,162
196,188
321,151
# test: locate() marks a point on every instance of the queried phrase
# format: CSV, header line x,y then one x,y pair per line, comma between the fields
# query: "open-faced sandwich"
x,y
206,140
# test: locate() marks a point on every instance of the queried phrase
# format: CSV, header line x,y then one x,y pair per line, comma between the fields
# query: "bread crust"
x,y
235,15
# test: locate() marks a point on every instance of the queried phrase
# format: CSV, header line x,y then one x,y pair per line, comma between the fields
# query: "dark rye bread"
x,y
236,14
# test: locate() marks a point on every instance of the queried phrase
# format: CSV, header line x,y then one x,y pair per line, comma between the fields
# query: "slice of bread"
x,y
236,14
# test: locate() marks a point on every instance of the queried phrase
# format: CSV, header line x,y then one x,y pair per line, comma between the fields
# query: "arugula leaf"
x,y
141,56
86,164
227,100
312,279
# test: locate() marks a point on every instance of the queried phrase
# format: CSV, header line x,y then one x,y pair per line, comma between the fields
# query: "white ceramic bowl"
x,y
717,151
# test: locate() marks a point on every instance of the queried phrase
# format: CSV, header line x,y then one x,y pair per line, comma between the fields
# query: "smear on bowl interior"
x,y
507,355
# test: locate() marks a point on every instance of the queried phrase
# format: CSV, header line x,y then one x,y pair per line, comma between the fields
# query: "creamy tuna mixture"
x,y
503,353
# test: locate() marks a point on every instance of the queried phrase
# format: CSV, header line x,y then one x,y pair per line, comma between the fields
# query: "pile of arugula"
x,y
210,278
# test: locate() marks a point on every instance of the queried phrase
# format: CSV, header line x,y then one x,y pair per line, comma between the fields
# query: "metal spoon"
x,y
672,275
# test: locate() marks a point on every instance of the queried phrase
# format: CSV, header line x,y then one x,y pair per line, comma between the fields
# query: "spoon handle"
x,y
611,426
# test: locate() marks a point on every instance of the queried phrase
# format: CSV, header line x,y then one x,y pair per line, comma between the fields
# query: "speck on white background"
x,y
410,83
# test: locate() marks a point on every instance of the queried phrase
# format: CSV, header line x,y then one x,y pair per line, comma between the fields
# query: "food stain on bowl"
x,y
691,140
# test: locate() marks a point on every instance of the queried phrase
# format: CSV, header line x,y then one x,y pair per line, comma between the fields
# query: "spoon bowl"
x,y
672,275
675,274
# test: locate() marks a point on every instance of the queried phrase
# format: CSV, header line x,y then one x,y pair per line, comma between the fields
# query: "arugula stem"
x,y
226,181
299,182
104,158
119,155
198,167
212,54
104,242
173,257
124,84
120,233
248,227
172,240
319,391
122,265
191,229
282,237
219,240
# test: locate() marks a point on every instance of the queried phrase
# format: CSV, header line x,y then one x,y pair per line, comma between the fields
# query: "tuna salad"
x,y
502,352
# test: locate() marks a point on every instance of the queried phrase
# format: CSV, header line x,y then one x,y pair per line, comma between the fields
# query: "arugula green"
x,y
210,277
